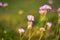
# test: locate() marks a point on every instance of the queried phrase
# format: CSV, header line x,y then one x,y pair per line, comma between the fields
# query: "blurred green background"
x,y
11,20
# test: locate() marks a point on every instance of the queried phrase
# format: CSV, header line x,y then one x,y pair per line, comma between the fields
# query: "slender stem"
x,y
32,35
24,34
41,36
20,37
29,34
58,32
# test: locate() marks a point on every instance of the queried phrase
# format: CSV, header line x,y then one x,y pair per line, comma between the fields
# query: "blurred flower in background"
x,y
58,21
58,10
49,24
20,12
5,4
42,29
5,31
21,30
1,4
50,1
2,38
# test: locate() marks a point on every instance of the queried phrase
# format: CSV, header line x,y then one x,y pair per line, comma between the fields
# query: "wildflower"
x,y
59,14
5,4
1,4
30,25
20,12
48,25
5,31
21,30
45,7
30,18
41,32
50,1
58,21
2,39
58,10
42,29
42,11
41,8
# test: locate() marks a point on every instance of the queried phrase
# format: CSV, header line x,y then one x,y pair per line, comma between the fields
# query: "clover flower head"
x,y
30,18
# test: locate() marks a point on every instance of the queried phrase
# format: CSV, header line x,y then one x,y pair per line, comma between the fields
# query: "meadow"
x,y
14,16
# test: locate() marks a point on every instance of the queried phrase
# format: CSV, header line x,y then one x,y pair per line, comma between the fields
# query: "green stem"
x,y
20,37
24,34
29,34
42,17
41,36
32,35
